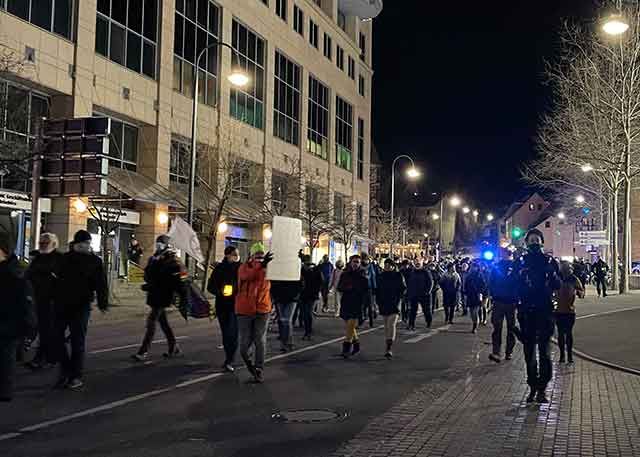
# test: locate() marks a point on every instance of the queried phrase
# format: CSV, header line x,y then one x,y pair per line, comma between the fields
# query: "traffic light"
x,y
517,233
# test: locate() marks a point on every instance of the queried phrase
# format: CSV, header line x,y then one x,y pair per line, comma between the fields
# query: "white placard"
x,y
285,244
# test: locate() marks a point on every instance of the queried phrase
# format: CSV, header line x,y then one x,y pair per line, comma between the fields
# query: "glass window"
x,y
278,192
51,15
362,86
352,68
240,177
327,46
298,20
313,34
281,9
191,36
123,144
360,166
359,217
247,103
179,163
340,58
318,119
344,133
338,208
363,46
342,20
126,33
41,13
286,102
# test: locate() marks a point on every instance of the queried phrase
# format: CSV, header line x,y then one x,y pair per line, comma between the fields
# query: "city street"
x,y
439,396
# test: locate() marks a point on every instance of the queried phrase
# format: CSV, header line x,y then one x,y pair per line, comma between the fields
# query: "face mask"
x,y
534,248
160,247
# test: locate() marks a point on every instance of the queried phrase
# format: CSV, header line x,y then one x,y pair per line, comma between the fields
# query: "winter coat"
x,y
17,315
475,286
570,288
451,285
42,273
503,283
312,282
326,268
166,277
254,290
391,288
600,269
285,292
223,284
538,277
419,284
354,287
81,277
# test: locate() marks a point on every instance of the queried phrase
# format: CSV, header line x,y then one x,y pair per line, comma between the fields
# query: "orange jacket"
x,y
254,290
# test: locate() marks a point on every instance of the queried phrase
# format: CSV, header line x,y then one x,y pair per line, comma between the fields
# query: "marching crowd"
x,y
52,297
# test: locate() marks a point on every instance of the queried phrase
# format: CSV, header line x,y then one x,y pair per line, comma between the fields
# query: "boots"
x,y
389,354
346,349
356,347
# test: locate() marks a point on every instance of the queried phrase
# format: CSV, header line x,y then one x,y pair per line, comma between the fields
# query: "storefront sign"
x,y
121,216
21,201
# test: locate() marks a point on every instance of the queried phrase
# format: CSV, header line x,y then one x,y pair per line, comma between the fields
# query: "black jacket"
x,y
285,292
166,277
80,279
134,253
42,273
474,286
312,281
419,284
354,287
600,269
538,277
17,316
391,288
503,283
451,285
224,274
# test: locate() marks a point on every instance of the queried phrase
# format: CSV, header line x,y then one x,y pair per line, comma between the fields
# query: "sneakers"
x,y
541,397
346,349
228,368
388,355
356,347
495,358
140,357
532,396
75,383
508,356
258,376
173,353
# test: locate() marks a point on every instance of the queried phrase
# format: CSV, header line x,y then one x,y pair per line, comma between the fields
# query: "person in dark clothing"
x,y
419,288
451,285
17,316
464,272
391,288
405,270
475,288
135,252
538,278
223,284
436,275
503,288
600,270
565,312
42,273
312,281
81,277
165,277
354,287
371,272
326,268
285,295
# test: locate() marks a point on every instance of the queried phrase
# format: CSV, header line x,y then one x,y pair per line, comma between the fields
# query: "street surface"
x,y
440,395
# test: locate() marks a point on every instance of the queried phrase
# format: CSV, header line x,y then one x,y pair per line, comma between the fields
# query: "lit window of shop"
x,y
318,119
344,133
197,25
51,15
126,33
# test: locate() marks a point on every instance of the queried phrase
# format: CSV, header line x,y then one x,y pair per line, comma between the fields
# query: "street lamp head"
x,y
580,199
413,173
455,202
490,217
435,216
466,210
476,213
587,168
223,227
562,216
615,25
238,78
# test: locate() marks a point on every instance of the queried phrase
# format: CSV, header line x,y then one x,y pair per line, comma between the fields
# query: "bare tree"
x,y
284,195
346,227
315,214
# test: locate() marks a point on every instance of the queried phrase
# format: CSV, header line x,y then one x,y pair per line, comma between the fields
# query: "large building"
x,y
308,100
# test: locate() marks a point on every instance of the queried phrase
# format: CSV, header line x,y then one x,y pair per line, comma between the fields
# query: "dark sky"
x,y
459,86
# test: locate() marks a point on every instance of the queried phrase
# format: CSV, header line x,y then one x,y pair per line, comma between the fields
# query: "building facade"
x,y
308,99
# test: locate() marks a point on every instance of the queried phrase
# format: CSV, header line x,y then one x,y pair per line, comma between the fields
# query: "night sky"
x,y
460,87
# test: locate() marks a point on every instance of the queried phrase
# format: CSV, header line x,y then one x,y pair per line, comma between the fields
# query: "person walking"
x,y
484,306
81,277
253,307
436,275
165,277
42,274
475,290
600,271
405,270
419,288
503,289
286,297
565,313
451,285
326,268
223,284
371,271
538,278
464,272
354,288
333,286
312,284
135,251
391,288
17,316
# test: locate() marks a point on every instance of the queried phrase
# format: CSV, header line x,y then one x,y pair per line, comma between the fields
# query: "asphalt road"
x,y
186,407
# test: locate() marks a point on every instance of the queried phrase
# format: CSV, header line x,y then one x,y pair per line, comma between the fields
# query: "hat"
x,y
257,247
534,231
6,245
82,236
163,239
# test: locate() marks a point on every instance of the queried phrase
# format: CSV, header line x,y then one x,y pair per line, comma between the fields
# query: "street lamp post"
x,y
455,202
412,173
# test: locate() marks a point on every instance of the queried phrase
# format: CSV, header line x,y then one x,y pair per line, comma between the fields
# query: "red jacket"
x,y
254,290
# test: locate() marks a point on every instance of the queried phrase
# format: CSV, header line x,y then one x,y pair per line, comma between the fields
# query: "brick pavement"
x,y
478,409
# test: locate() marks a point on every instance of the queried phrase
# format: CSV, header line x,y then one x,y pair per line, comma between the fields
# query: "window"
x,y
352,68
313,34
51,15
360,165
363,46
247,103
340,58
123,144
344,133
281,9
318,2
298,20
240,177
197,25
126,33
539,206
359,217
327,46
286,103
318,119
265,2
278,193
342,20
362,86
180,160
532,207
547,224
312,198
338,208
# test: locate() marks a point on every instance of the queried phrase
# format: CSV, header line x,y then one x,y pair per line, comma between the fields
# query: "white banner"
x,y
184,238
285,244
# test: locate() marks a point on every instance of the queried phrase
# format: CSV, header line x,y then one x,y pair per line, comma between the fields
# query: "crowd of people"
x,y
52,297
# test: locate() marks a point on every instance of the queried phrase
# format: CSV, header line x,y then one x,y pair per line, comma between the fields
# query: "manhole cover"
x,y
309,416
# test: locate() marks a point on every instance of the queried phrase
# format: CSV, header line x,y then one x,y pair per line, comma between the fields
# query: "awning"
x,y
141,188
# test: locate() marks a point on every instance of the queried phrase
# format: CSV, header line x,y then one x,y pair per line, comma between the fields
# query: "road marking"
x,y
614,311
129,346
432,332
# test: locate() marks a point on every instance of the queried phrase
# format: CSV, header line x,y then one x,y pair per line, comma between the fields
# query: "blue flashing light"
x,y
488,255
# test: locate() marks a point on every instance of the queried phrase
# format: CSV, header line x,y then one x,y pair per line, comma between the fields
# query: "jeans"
x,y
390,323
565,323
76,321
324,292
157,315
306,312
252,331
425,304
501,312
8,350
285,322
474,313
537,329
229,328
435,300
601,285
46,333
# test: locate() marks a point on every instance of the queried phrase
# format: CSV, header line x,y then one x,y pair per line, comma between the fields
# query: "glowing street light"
x,y
580,199
79,205
587,168
223,227
413,173
435,216
615,25
466,210
455,201
476,213
490,217
238,78
163,217
562,216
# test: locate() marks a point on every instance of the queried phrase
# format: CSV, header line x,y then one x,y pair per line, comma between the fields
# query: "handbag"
x,y
199,306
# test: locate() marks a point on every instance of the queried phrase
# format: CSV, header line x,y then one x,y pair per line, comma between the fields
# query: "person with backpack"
x,y
312,283
503,288
565,313
451,285
391,288
223,284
